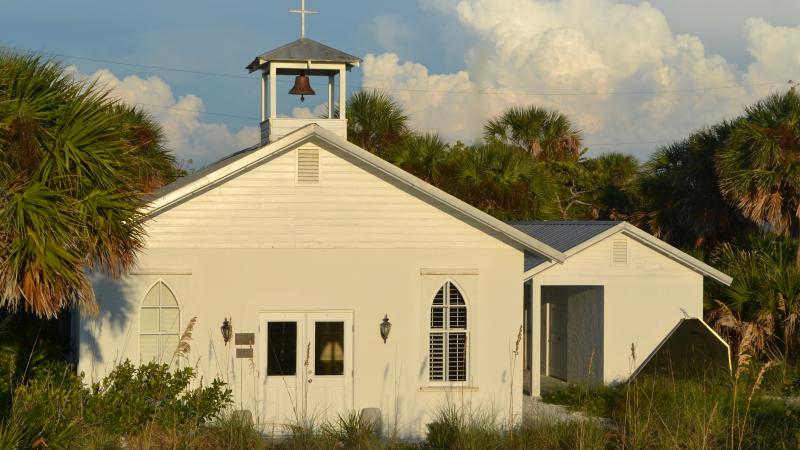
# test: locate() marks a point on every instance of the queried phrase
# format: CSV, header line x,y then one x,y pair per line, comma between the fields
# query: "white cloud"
x,y
304,112
596,60
390,31
187,135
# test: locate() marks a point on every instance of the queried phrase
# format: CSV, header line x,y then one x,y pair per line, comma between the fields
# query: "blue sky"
x,y
689,57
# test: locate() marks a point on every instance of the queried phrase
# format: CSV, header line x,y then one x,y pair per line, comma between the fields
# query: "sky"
x,y
631,75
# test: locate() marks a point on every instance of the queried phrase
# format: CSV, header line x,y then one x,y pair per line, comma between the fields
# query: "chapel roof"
x,y
571,237
243,160
304,50
561,235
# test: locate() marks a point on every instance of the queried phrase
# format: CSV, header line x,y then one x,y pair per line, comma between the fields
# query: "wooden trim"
x,y
161,271
428,271
448,388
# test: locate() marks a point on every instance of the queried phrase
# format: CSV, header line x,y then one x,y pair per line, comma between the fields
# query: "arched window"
x,y
159,323
448,335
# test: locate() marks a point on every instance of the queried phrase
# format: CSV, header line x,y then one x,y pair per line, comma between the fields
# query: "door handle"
x,y
310,380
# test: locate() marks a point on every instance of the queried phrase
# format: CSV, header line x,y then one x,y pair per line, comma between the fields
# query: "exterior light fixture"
x,y
386,327
227,330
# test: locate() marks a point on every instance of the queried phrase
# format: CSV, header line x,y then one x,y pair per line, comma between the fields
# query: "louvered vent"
x,y
307,166
619,252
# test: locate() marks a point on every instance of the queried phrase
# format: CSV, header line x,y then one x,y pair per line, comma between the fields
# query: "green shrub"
x,y
49,407
445,428
596,400
351,430
460,428
60,411
131,397
557,435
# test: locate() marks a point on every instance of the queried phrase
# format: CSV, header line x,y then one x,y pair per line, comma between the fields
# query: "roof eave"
x,y
650,241
676,254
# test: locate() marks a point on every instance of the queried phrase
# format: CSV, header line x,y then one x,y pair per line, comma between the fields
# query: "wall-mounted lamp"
x,y
386,327
227,330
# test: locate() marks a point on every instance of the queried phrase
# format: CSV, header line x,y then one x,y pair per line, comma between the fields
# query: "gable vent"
x,y
619,252
307,166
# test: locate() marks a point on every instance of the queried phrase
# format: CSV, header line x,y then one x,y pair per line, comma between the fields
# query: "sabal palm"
x,y
421,155
546,134
759,168
501,180
375,121
74,167
681,199
760,310
614,176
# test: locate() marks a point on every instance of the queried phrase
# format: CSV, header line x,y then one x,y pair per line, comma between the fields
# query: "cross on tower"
x,y
303,11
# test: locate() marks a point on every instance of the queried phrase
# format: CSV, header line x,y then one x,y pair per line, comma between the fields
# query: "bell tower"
x,y
305,60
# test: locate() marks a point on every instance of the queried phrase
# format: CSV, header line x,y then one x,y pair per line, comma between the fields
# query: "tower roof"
x,y
304,50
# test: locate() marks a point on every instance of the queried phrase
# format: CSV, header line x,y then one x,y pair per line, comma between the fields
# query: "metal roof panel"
x,y
561,235
303,50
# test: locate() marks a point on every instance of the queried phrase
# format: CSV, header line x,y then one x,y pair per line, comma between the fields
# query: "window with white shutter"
x,y
448,335
159,325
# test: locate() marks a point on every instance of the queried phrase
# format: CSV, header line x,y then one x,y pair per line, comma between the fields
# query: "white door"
x,y
557,339
308,367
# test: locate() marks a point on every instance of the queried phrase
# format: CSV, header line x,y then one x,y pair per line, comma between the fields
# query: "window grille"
x,y
159,325
448,335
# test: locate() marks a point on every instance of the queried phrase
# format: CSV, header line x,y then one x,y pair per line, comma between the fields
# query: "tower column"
x,y
342,93
263,96
273,91
330,96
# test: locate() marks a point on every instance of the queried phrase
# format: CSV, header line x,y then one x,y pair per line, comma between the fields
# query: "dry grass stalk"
x,y
184,343
514,356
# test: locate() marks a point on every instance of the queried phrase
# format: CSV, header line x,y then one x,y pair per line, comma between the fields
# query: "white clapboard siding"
x,y
286,203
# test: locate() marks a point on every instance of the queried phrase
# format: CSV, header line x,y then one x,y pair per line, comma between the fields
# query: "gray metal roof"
x,y
302,50
561,235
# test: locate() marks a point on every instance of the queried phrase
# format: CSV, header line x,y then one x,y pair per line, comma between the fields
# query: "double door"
x,y
307,367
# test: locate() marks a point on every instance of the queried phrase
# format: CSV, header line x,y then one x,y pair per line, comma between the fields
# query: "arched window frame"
x,y
448,335
169,336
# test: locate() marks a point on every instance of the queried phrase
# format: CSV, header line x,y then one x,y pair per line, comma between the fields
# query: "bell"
x,y
302,87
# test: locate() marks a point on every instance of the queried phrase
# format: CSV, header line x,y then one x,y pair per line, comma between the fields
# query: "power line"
x,y
363,86
210,113
122,63
624,143
422,91
575,94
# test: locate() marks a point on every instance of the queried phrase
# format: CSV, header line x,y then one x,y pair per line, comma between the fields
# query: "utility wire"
x,y
422,91
122,63
375,87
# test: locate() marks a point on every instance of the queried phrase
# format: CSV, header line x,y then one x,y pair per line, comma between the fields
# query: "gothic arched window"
x,y
159,323
448,335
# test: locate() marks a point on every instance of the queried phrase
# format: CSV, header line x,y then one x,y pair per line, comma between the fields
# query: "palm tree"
x,y
375,121
153,165
759,168
614,176
421,155
680,197
73,168
760,310
545,134
501,180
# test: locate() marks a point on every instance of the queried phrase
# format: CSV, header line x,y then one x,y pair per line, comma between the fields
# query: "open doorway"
x,y
572,333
